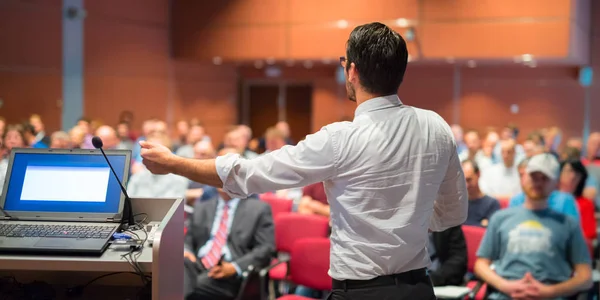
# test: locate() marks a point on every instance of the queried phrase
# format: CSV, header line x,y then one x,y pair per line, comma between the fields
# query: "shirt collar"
x,y
377,104
231,204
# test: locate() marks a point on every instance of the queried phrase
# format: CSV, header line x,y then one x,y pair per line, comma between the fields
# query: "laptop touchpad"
x,y
52,243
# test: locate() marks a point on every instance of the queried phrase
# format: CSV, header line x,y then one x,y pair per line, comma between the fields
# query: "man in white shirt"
x,y
391,175
502,180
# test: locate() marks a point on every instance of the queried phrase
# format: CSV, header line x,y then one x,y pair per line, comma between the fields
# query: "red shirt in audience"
x,y
588,220
316,191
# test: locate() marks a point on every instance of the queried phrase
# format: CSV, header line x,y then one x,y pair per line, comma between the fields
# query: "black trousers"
x,y
198,286
409,285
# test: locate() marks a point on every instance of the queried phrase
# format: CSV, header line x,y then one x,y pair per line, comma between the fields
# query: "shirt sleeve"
x,y
489,247
312,160
578,249
451,206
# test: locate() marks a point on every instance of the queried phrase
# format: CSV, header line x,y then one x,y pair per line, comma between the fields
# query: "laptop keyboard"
x,y
56,231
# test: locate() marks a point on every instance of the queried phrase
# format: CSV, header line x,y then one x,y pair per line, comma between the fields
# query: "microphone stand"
x,y
127,219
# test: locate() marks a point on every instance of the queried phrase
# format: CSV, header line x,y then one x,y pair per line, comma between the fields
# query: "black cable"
x,y
77,291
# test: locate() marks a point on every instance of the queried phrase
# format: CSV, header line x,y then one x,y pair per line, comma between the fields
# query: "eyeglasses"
x,y
343,61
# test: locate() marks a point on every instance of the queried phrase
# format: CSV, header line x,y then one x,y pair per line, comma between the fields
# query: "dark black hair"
x,y
473,163
380,57
580,169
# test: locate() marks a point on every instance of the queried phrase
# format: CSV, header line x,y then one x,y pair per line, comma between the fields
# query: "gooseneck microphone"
x,y
127,219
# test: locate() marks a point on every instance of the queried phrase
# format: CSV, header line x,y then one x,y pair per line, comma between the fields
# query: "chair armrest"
x,y
264,272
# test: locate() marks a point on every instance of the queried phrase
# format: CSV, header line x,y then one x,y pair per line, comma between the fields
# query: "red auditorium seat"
x,y
289,228
473,237
278,205
309,265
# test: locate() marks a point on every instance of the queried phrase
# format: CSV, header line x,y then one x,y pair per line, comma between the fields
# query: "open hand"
x,y
156,157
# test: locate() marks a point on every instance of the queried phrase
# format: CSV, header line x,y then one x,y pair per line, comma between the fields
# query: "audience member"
x,y
274,139
537,252
508,133
572,180
195,134
481,207
144,184
552,140
501,180
124,135
448,253
38,126
241,231
472,146
558,201
14,137
575,142
85,125
60,140
314,200
77,136
237,138
284,128
195,191
534,145
30,137
109,138
182,129
2,125
487,149
457,131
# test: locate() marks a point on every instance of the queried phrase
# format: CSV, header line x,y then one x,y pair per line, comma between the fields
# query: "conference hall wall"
x,y
138,58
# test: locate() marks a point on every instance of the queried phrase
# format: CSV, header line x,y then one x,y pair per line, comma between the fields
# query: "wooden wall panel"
x,y
357,11
240,42
479,9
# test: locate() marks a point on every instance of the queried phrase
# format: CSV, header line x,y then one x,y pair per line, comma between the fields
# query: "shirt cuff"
x,y
237,268
224,165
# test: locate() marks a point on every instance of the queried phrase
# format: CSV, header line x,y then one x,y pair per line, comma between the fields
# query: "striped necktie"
x,y
214,255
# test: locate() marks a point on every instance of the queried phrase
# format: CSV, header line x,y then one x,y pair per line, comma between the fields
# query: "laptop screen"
x,y
62,182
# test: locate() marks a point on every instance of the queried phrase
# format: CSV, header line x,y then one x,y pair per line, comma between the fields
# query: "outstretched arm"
x,y
312,160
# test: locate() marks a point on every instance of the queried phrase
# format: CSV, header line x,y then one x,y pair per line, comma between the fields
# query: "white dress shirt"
x,y
390,175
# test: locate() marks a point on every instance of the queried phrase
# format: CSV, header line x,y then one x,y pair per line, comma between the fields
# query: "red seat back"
x,y
504,203
309,263
290,227
473,237
278,205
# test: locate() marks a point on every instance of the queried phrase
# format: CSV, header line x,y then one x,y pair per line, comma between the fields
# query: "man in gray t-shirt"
x,y
536,251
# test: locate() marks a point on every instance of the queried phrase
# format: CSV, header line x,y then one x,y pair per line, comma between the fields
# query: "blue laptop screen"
x,y
64,183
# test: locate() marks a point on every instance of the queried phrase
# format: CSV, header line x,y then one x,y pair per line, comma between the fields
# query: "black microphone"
x,y
127,210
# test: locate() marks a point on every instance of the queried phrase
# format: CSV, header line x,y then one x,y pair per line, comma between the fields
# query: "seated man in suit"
x,y
225,237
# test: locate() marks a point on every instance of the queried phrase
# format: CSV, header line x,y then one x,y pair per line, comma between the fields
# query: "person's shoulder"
x,y
489,200
505,214
338,126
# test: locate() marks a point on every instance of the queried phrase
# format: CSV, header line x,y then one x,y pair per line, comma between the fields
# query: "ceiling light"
x,y
289,62
270,61
217,60
471,64
342,24
402,22
526,57
258,64
450,59
308,64
326,61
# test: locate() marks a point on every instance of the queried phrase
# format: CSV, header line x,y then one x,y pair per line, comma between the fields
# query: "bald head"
x,y
108,135
284,128
204,150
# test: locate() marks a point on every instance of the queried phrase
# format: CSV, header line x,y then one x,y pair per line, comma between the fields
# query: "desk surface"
x,y
110,261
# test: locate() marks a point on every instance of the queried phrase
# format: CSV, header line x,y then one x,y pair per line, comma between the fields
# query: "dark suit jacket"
x,y
251,239
451,250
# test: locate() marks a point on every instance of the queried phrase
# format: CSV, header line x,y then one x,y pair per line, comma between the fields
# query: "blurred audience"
x,y
196,134
538,253
481,207
572,180
60,140
38,126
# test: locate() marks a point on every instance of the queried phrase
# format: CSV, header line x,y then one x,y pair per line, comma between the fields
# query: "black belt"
x,y
410,277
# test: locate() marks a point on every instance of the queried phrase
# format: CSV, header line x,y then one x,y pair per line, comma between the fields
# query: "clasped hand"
x,y
225,270
527,288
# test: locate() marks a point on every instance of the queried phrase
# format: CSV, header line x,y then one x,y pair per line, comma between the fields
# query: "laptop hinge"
x,y
6,218
110,219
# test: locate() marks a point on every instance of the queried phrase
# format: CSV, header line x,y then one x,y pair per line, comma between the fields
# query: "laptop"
x,y
59,201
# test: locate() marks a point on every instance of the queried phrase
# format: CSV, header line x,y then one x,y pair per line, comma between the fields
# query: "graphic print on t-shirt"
x,y
530,237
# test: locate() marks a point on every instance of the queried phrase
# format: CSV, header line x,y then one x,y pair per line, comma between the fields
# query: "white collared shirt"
x,y
390,175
